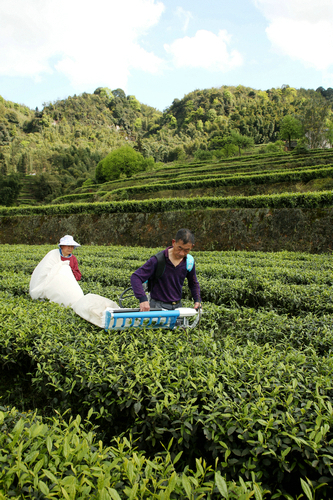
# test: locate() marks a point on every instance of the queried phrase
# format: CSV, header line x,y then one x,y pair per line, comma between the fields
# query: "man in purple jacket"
x,y
166,293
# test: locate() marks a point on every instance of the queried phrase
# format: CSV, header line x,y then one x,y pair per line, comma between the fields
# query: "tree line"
x,y
62,144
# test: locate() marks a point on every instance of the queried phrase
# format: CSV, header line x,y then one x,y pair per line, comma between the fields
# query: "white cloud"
x,y
301,29
93,42
184,14
205,50
304,41
299,10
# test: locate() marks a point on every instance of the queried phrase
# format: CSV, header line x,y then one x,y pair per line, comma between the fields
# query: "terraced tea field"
x,y
241,176
240,407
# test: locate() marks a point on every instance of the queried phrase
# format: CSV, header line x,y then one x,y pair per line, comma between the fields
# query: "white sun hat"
x,y
68,241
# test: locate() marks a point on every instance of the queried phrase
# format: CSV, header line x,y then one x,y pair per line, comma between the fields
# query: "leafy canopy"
x,y
291,128
10,187
122,161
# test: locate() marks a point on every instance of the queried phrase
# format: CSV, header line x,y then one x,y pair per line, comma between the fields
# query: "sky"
x,y
159,50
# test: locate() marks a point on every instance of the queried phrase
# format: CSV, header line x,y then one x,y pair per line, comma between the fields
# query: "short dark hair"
x,y
185,235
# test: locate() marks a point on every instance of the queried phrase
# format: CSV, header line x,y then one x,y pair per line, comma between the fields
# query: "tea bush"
x,y
246,396
284,200
52,458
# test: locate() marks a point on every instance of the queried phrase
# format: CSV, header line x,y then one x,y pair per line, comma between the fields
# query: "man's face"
x,y
181,249
66,250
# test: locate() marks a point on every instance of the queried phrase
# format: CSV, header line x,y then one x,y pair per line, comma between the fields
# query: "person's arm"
x,y
75,268
194,286
139,277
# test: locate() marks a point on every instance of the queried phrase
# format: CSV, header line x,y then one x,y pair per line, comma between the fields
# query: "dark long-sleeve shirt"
x,y
169,287
73,265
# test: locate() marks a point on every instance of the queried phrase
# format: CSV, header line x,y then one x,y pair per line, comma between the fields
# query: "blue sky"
x,y
161,50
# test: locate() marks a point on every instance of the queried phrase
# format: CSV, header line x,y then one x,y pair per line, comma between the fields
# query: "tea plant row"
x,y
50,458
285,200
235,180
255,408
251,163
257,280
251,387
230,175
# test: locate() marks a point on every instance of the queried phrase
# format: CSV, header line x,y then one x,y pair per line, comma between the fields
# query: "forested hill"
x,y
63,142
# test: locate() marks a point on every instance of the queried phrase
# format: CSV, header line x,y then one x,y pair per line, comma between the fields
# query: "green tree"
x,y
104,92
124,160
177,153
241,141
41,187
211,114
290,128
99,175
4,134
138,124
313,117
301,147
229,149
216,142
3,164
203,154
12,117
119,93
10,186
329,133
135,104
22,164
273,147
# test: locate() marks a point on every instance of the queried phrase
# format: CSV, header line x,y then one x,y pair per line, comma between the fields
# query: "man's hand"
x,y
144,306
197,305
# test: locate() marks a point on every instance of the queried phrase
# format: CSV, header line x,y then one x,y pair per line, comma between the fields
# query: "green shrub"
x,y
52,458
124,160
10,186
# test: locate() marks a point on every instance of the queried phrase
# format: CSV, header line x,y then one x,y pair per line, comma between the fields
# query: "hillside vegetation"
x,y
62,144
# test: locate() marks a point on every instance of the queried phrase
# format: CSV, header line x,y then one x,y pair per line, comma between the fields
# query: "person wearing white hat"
x,y
66,246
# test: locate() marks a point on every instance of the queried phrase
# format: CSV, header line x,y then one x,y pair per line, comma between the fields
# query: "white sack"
x,y
92,308
53,279
42,273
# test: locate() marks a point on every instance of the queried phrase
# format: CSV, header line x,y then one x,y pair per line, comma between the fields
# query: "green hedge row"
x,y
258,409
235,180
52,458
72,198
250,387
268,158
285,200
253,292
258,164
251,163
247,163
290,283
156,382
206,181
251,170
261,326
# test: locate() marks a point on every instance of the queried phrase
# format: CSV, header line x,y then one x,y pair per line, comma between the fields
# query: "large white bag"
x,y
42,273
92,308
53,279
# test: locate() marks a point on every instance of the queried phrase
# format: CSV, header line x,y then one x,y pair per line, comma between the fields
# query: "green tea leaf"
x,y
222,485
307,490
